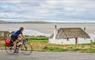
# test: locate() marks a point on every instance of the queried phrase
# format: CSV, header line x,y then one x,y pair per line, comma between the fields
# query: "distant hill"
x,y
45,22
3,22
30,22
33,22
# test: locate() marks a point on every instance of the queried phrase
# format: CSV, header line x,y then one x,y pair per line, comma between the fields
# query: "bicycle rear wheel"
x,y
9,50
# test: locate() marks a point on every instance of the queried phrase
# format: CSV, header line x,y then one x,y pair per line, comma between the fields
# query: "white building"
x,y
69,36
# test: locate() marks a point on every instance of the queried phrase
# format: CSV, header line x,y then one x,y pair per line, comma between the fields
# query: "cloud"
x,y
13,1
47,10
67,9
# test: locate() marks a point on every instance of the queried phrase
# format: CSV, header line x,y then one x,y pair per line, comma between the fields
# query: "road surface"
x,y
48,56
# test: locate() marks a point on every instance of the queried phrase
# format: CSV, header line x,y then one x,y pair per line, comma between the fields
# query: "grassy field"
x,y
42,45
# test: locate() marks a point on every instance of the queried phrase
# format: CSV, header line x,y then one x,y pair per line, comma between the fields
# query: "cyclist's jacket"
x,y
16,34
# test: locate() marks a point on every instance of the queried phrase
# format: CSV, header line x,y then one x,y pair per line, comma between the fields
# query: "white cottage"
x,y
69,36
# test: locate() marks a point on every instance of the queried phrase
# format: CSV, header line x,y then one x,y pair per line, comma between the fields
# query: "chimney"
x,y
55,26
55,32
84,28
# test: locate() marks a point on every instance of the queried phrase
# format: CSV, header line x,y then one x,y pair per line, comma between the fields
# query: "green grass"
x,y
41,44
41,41
38,39
53,49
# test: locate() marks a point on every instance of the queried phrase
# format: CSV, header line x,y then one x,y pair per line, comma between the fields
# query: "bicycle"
x,y
23,47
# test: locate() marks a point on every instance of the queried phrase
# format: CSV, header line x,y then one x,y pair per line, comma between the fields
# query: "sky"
x,y
47,10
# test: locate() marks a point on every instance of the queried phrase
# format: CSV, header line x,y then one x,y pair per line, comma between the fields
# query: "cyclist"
x,y
17,36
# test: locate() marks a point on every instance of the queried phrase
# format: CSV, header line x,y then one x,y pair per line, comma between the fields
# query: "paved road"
x,y
47,56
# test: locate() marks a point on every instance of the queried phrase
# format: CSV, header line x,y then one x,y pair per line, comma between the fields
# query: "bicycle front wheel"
x,y
26,49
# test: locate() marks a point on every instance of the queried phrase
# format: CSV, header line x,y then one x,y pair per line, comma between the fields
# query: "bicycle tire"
x,y
26,49
9,50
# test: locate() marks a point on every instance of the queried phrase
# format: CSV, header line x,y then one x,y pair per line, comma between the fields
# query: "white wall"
x,y
70,41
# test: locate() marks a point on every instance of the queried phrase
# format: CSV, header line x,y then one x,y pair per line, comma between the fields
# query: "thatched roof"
x,y
71,33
